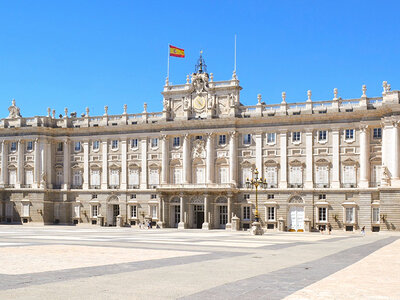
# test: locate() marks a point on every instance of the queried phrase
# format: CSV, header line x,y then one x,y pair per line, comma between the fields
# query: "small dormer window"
x,y
296,137
29,146
222,139
177,141
377,133
349,134
322,136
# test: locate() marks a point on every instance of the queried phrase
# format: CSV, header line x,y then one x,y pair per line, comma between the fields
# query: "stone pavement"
x,y
60,262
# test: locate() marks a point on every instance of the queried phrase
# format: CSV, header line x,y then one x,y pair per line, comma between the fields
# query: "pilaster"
x,y
309,160
210,158
143,177
186,157
164,159
259,153
4,168
66,163
20,176
85,184
364,156
335,158
182,222
124,167
283,159
104,171
233,157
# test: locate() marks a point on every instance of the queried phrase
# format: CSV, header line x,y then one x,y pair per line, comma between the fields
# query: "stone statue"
x,y
14,111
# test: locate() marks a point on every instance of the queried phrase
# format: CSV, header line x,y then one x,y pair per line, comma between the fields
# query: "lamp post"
x,y
256,182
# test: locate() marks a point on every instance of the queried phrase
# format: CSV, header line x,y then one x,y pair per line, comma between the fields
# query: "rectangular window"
x,y
377,133
29,177
296,175
154,177
349,214
296,136
96,145
177,176
59,177
375,214
376,175
114,177
271,138
271,176
270,196
246,175
247,139
246,213
223,175
77,178
200,173
349,134
77,146
153,211
322,175
95,179
60,146
199,137
222,139
322,135
12,177
153,196
29,146
134,143
322,214
176,141
133,211
114,144
13,147
349,175
322,196
133,178
246,196
154,142
133,196
25,209
271,213
94,196
95,210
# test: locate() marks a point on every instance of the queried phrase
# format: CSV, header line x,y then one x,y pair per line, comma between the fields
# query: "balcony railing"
x,y
95,186
113,186
76,186
26,186
295,185
133,186
349,185
322,185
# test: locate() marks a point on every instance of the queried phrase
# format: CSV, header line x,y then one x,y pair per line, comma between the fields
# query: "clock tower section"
x,y
201,97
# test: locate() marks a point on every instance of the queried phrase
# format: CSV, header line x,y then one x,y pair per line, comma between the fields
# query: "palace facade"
x,y
324,162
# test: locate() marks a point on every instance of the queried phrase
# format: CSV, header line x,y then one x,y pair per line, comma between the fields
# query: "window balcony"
x,y
113,186
295,185
76,186
133,186
95,186
349,185
322,185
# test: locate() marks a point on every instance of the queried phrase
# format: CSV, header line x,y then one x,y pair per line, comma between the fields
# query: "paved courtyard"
x,y
123,263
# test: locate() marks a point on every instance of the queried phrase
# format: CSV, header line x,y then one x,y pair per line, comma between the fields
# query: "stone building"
x,y
324,162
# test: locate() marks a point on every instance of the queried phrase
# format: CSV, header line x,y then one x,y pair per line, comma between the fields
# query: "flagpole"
x,y
235,54
168,64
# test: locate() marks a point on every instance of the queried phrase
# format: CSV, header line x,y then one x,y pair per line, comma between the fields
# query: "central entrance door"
x,y
223,216
198,216
177,215
115,214
296,219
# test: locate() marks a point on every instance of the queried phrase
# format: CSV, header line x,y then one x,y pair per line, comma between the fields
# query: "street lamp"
x,y
256,182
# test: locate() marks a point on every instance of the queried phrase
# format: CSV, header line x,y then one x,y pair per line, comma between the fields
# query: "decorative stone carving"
x,y
14,111
198,149
200,82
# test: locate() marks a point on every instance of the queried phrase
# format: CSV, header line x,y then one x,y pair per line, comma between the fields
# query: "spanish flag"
x,y
177,52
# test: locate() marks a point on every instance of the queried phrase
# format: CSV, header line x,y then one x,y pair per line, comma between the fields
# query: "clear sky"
x,y
93,53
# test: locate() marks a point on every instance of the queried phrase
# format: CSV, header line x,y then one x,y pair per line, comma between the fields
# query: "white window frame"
x,y
271,210
222,139
377,133
29,149
246,212
114,145
322,136
94,210
134,143
77,146
96,145
353,216
154,142
247,139
133,211
154,211
322,217
13,146
349,135
374,215
296,137
271,138
176,143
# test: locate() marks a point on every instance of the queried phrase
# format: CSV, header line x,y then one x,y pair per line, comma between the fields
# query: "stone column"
x,y
309,160
43,164
335,159
182,223
124,164
161,222
164,159
4,173
66,164
49,164
143,177
20,176
259,154
36,157
364,156
386,148
206,224
233,158
186,159
104,171
86,170
229,224
395,152
210,158
283,154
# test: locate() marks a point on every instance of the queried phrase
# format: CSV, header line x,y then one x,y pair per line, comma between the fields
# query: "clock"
x,y
199,102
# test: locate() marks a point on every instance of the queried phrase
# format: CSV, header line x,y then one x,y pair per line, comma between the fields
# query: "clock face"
x,y
199,102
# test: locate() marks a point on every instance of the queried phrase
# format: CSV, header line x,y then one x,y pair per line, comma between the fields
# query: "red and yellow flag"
x,y
175,51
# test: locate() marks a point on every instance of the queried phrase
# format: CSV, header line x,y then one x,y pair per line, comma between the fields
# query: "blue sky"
x,y
94,53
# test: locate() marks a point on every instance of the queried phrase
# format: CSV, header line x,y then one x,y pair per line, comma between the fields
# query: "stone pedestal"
x,y
182,225
120,221
228,226
256,229
281,224
235,223
206,226
307,225
100,220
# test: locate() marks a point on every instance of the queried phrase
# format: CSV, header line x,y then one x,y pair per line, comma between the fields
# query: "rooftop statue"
x,y
13,111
